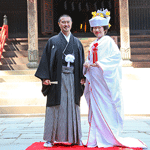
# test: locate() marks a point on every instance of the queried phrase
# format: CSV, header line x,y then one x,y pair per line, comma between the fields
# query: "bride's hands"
x,y
86,64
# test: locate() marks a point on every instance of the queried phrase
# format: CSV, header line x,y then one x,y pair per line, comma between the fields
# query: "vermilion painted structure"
x,y
3,37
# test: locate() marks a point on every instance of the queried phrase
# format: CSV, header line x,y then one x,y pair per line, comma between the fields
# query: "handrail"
x,y
3,35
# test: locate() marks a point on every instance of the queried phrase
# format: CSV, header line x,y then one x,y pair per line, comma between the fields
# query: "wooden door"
x,y
47,16
139,15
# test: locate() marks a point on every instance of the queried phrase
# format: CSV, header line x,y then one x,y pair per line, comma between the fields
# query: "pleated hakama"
x,y
62,122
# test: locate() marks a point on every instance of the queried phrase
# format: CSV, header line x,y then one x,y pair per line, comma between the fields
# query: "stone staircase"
x,y
140,51
20,91
15,54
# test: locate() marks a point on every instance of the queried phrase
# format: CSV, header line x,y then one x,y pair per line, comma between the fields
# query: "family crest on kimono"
x,y
62,62
103,72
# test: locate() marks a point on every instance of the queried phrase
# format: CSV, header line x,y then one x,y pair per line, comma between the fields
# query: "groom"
x,y
63,99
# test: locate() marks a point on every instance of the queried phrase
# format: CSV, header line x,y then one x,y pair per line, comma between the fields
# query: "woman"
x,y
103,88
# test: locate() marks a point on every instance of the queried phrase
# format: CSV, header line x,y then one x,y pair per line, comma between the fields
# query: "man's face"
x,y
65,24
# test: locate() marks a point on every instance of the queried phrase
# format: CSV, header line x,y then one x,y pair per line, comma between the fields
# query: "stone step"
x,y
24,67
141,64
25,40
15,110
15,60
15,63
41,45
26,82
20,53
140,44
140,58
18,47
139,38
15,56
13,45
25,101
20,93
24,53
18,78
140,51
18,86
17,72
14,67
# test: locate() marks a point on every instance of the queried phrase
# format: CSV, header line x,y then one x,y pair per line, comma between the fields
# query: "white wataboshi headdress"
x,y
100,18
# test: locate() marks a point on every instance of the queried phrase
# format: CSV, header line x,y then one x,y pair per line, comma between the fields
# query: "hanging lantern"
x,y
95,5
85,27
65,5
109,4
72,5
87,6
102,4
79,6
80,26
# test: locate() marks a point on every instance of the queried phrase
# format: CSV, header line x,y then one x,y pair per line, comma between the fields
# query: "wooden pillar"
x,y
124,30
33,55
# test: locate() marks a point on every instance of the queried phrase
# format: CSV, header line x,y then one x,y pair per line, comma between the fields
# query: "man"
x,y
62,61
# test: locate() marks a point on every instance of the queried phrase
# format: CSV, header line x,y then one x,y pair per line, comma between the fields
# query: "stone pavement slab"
x,y
19,133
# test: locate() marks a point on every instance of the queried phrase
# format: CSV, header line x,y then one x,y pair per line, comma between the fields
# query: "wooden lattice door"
x,y
47,16
139,15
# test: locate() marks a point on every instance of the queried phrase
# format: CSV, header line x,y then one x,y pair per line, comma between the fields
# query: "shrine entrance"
x,y
49,11
80,11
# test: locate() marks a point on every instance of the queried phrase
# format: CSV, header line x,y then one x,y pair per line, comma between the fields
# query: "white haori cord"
x,y
69,59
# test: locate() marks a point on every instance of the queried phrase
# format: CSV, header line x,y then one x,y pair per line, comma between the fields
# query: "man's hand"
x,y
46,82
82,81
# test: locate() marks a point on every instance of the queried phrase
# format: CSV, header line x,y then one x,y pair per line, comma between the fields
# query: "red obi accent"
x,y
94,50
89,55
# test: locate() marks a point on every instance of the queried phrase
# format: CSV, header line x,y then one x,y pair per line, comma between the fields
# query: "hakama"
x,y
62,122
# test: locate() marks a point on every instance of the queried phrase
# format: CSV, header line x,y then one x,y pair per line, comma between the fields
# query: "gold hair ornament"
x,y
106,13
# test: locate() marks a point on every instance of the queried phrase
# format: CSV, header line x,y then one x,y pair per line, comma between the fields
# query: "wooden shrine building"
x,y
39,18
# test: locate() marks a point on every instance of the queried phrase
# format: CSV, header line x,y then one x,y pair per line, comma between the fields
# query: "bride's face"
x,y
98,31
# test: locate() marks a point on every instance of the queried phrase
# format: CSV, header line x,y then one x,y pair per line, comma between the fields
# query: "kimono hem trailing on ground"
x,y
104,98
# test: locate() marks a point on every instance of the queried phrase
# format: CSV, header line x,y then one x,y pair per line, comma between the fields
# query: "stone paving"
x,y
20,132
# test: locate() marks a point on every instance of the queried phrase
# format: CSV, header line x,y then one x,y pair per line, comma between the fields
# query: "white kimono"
x,y
104,98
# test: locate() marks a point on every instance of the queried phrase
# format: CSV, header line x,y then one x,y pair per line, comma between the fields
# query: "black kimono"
x,y
50,67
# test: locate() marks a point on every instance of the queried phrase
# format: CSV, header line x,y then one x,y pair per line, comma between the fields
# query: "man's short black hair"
x,y
64,15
